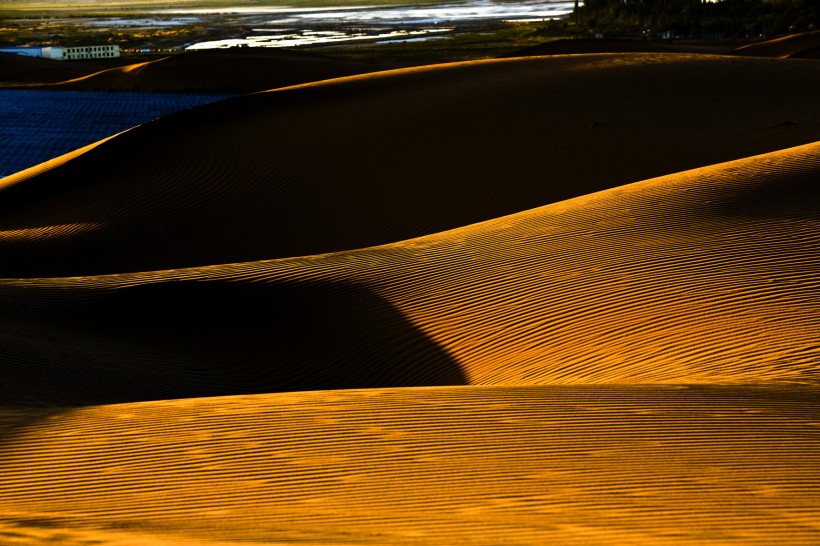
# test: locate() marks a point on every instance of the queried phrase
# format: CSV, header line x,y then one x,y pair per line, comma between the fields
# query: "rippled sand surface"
x,y
566,299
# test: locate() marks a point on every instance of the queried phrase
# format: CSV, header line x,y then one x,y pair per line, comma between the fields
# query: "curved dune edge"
x,y
20,177
804,45
246,70
707,276
293,172
515,465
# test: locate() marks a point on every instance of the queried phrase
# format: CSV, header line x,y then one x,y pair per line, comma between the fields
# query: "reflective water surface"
x,y
38,125
290,27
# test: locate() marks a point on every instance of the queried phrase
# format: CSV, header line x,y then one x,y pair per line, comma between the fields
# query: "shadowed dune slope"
x,y
800,46
189,337
241,70
706,276
467,465
374,159
19,68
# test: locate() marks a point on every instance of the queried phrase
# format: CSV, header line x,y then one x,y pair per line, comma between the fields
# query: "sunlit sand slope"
x,y
376,159
805,45
245,70
455,465
706,276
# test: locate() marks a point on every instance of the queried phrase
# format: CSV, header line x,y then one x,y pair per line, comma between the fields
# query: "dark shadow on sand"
x,y
186,338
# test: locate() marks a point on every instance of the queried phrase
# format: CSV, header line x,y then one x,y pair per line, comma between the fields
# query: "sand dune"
x,y
798,46
18,68
546,329
707,276
243,70
466,465
374,159
566,46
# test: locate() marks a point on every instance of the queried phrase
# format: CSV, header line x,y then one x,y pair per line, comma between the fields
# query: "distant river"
x,y
36,126
288,27
450,12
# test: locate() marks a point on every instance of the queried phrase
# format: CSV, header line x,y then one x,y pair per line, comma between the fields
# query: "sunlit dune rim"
x,y
377,75
513,465
708,276
200,184
746,165
36,170
119,70
79,81
443,68
45,232
250,71
803,45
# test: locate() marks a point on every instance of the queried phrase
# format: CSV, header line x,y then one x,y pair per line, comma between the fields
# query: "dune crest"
x,y
256,177
577,46
707,276
234,70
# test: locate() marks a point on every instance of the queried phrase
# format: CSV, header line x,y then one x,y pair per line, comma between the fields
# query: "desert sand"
x,y
569,299
380,158
235,70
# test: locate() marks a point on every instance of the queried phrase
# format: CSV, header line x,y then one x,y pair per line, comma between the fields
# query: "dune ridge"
x,y
234,70
706,276
255,177
575,46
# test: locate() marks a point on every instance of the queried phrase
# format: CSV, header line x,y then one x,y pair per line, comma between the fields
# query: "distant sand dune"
x,y
374,159
603,45
242,70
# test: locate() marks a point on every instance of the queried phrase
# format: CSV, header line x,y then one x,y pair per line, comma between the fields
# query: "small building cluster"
x,y
66,53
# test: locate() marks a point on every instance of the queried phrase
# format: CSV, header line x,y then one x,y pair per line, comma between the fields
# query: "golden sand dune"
x,y
453,465
19,68
375,159
707,276
244,70
638,365
801,46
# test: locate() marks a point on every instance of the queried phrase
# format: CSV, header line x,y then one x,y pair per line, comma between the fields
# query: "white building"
x,y
66,53
81,52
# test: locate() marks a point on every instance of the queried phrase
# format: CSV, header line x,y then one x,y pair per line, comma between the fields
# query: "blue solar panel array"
x,y
36,126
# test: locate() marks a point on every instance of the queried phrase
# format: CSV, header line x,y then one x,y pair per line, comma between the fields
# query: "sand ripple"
x,y
525,359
